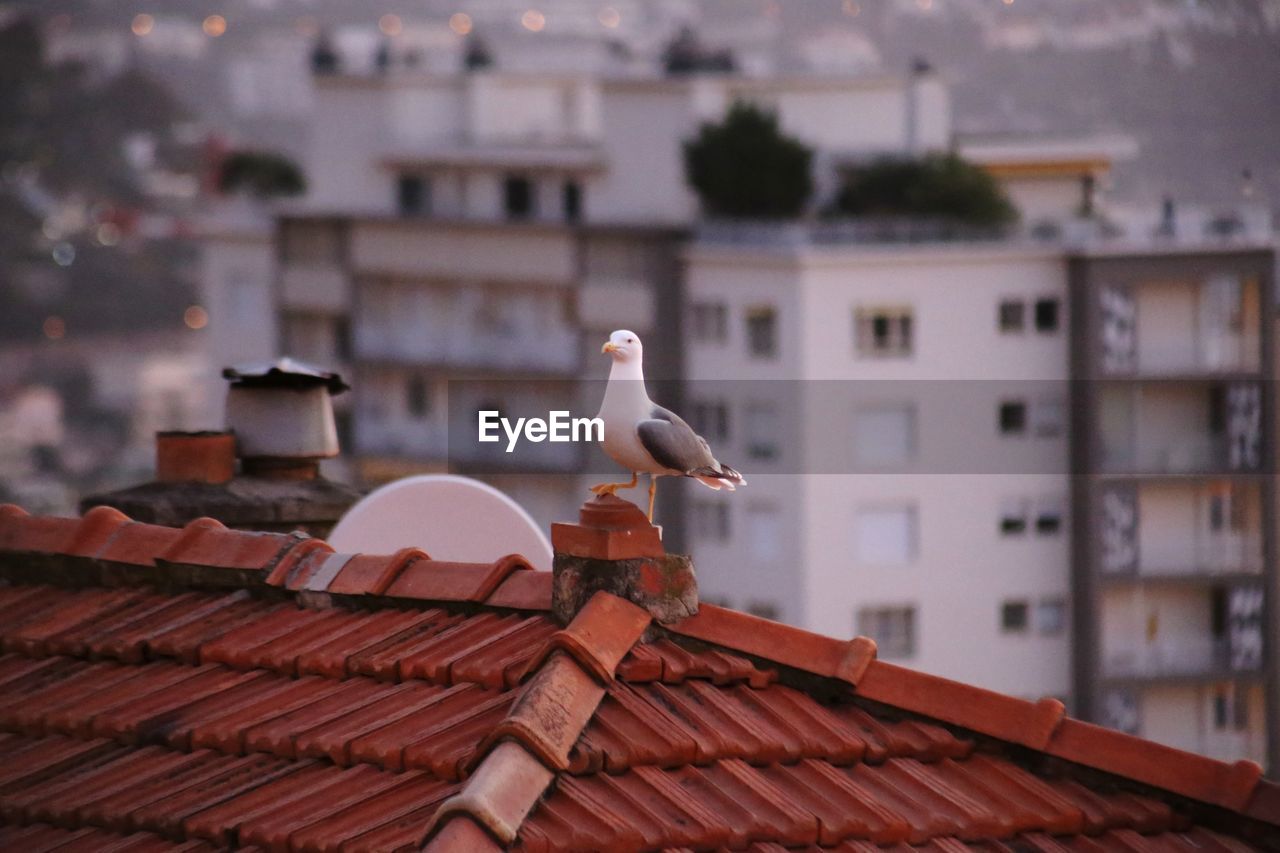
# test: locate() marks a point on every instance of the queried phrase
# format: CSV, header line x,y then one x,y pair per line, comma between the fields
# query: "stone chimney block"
x,y
614,548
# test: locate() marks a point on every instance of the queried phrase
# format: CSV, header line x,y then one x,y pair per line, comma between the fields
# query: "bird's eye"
x,y
631,340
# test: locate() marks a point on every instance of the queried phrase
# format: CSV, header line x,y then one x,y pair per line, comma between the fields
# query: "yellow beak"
x,y
609,346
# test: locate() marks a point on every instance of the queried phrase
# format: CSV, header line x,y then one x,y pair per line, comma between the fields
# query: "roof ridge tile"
x,y
1230,785
1030,724
846,660
598,638
298,563
441,580
372,574
519,759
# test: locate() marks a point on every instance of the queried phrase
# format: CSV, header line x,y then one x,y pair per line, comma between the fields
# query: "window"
x,y
886,536
1049,516
1230,707
342,338
1046,315
764,531
1013,617
711,420
893,629
517,197
571,201
884,435
1048,418
761,428
711,521
413,196
763,609
762,332
1051,616
1013,516
709,322
1012,315
417,398
883,332
1013,417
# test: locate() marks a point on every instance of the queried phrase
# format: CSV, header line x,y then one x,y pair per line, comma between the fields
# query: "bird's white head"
x,y
624,346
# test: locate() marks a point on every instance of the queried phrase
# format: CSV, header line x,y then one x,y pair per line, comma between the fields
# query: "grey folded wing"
x,y
674,444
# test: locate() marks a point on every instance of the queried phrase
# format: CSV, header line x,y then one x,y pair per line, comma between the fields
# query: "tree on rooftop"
x,y
936,186
262,173
745,166
686,54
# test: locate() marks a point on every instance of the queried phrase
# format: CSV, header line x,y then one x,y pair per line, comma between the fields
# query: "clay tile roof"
x,y
205,688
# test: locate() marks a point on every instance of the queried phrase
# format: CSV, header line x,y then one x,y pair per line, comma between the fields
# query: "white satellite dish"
x,y
451,518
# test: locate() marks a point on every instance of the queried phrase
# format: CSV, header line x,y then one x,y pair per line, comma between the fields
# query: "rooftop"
x,y
199,688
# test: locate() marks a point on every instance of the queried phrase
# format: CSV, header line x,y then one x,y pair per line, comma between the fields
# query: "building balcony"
x,y
1183,658
552,354
1188,455
315,288
1125,230
530,254
1209,355
428,442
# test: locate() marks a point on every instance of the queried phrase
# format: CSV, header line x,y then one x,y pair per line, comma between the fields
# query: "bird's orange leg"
x,y
610,488
653,490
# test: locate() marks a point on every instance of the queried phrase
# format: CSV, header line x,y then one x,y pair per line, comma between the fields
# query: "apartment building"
x,y
468,239
1173,445
907,410
1030,465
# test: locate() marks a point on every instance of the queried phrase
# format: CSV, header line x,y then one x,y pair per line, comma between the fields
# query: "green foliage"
x,y
746,167
263,173
937,186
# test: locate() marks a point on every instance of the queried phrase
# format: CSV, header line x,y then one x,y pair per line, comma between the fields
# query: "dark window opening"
x,y
1011,316
1048,523
1046,315
762,332
342,338
1217,410
413,197
517,197
1013,418
1218,609
1012,524
419,401
572,201
1013,616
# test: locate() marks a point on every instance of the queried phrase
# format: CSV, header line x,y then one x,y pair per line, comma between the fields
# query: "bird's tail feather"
x,y
717,477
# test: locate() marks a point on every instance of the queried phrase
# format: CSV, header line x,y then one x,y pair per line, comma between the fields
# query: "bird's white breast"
x,y
625,405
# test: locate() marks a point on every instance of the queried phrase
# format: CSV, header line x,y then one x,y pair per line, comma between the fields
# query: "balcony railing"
x,y
1187,657
1146,227
1188,455
1216,353
554,353
430,443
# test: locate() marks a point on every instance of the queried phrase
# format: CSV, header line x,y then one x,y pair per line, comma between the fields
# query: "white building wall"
x,y
237,275
350,135
962,568
642,127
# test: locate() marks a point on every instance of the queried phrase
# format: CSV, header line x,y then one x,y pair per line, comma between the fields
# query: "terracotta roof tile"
x,y
1227,785
188,689
599,637
367,574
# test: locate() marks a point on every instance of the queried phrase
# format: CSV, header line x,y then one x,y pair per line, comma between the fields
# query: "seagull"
x,y
641,436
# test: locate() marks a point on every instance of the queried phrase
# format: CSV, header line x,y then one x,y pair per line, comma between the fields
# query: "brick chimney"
x,y
280,425
614,548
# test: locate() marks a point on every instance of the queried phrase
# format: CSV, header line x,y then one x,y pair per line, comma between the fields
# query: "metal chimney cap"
x,y
284,373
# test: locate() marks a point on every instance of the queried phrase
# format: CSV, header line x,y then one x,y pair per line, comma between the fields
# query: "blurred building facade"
x,y
492,228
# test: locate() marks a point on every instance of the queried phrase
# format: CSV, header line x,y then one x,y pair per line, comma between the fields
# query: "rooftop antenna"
x,y
452,518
